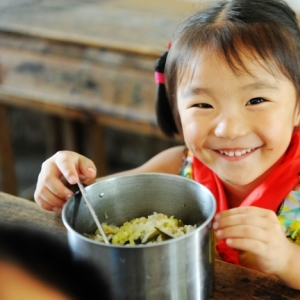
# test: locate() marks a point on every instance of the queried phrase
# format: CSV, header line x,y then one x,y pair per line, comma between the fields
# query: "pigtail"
x,y
164,114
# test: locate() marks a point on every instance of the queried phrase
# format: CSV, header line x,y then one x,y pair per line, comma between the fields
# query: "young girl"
x,y
232,90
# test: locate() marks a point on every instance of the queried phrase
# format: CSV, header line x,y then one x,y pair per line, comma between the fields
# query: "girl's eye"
x,y
255,101
203,105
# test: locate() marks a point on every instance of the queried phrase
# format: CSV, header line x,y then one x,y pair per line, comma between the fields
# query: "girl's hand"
x,y
258,231
63,169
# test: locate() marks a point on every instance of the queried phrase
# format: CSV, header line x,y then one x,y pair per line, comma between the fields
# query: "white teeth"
x,y
236,153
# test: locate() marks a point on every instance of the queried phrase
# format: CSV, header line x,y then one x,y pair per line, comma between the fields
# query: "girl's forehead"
x,y
246,63
212,76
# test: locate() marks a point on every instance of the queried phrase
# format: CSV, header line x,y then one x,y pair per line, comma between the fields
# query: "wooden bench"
x,y
82,62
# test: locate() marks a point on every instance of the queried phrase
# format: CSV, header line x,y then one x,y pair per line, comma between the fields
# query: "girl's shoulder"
x,y
167,161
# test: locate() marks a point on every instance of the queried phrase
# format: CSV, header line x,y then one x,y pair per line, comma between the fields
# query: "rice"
x,y
153,229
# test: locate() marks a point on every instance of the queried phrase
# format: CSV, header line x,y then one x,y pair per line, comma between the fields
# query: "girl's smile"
x,y
235,154
237,123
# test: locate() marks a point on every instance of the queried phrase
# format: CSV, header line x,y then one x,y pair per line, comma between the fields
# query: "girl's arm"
x,y
168,161
65,168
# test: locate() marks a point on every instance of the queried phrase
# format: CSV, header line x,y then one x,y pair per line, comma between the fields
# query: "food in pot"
x,y
155,228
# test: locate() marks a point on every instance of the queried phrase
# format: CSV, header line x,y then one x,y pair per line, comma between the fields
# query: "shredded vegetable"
x,y
155,228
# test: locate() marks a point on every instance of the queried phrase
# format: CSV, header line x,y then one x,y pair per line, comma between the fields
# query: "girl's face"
x,y
238,125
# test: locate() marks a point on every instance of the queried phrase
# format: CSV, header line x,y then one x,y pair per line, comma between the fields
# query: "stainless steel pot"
x,y
177,269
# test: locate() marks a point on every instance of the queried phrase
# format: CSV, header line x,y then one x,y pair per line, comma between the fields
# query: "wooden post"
x,y
7,164
94,147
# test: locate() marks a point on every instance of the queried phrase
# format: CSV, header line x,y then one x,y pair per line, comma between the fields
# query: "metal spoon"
x,y
88,203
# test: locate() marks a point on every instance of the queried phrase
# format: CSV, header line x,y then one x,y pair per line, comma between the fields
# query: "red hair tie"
x,y
159,78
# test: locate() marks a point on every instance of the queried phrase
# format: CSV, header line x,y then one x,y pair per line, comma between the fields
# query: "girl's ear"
x,y
297,115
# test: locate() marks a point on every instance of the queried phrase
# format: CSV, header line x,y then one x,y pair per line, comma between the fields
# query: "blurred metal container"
x,y
177,269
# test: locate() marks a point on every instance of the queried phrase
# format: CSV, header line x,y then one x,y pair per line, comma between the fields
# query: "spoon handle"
x,y
88,203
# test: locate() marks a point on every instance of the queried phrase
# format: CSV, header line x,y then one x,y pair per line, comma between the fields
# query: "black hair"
x,y
268,29
50,260
164,113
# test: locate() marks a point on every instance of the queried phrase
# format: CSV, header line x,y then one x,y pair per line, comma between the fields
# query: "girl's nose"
x,y
231,128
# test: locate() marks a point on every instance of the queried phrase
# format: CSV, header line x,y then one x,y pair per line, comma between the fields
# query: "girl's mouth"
x,y
233,153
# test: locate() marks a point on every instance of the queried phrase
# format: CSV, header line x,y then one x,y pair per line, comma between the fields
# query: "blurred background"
x,y
78,75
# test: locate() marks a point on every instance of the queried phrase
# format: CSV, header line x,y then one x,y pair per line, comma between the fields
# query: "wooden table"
x,y
83,62
231,282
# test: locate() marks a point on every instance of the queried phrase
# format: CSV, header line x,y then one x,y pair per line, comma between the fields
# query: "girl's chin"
x,y
234,182
242,180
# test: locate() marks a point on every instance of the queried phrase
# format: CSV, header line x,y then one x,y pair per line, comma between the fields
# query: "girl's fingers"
x,y
51,193
56,187
87,168
245,210
58,172
256,247
254,230
247,224
45,205
239,220
49,201
74,166
242,231
65,164
245,216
